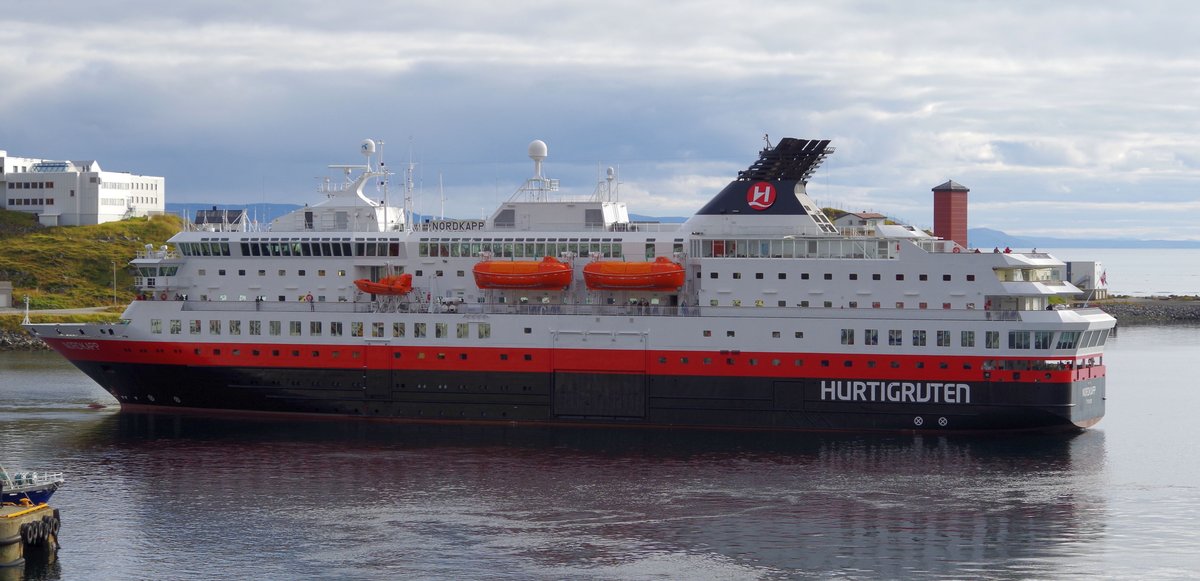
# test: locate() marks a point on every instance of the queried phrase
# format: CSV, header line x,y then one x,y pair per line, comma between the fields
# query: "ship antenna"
x,y
767,138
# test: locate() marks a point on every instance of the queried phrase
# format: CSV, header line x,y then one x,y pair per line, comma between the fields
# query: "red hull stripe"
x,y
543,360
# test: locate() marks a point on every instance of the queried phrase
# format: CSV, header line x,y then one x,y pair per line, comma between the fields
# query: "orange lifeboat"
x,y
547,274
661,275
400,284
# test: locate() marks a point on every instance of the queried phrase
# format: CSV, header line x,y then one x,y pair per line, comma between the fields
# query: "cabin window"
x,y
992,339
799,334
1041,339
804,276
335,328
712,275
775,334
221,272
194,326
828,304
829,276
737,275
729,333
875,276
923,277
946,277
294,328
1018,339
397,329
484,331
854,276
918,337
943,338
847,336
854,304
156,326
235,327
418,330
899,277
707,333
356,329
922,305
377,329
967,339
275,327
870,336
783,276
895,337
758,276
970,277
314,328
241,272
176,326
946,306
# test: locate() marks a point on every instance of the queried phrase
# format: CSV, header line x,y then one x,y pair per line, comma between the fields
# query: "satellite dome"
x,y
538,150
367,147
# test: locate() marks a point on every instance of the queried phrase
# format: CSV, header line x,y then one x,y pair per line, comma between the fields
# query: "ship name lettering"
x,y
1089,391
895,391
82,345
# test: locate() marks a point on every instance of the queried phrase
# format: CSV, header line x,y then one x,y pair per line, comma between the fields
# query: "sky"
x,y
1069,119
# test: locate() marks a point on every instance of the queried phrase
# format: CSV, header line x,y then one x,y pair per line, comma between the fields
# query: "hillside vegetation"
x,y
67,267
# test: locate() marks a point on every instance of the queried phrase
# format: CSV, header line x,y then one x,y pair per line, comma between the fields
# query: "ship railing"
x,y
156,255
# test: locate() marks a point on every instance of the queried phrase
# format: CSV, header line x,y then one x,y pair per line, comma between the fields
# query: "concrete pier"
x,y
26,531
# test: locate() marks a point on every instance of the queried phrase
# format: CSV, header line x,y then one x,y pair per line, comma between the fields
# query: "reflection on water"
x,y
285,498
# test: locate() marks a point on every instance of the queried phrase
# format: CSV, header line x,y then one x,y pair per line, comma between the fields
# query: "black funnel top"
x,y
792,159
769,186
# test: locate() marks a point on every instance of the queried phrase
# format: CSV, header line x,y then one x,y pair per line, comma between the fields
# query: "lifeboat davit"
x,y
546,274
661,275
400,284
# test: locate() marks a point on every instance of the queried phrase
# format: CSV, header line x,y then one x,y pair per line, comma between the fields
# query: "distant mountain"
x,y
985,237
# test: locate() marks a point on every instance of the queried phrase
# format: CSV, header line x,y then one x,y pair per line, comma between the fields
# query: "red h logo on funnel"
x,y
760,196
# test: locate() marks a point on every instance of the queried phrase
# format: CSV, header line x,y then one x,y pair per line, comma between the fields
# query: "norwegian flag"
x,y
1104,278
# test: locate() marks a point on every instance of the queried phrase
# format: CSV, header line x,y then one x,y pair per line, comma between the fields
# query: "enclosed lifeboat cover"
x,y
399,284
661,275
547,274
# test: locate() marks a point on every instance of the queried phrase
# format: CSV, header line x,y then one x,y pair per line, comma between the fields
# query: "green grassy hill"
x,y
72,266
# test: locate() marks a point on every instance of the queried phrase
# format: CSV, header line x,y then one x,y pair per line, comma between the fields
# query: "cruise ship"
x,y
757,312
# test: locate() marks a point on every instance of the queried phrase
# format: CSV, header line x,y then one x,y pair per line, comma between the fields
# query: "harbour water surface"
x,y
161,496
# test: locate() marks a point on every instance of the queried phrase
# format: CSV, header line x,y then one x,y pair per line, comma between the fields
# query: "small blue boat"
x,y
36,487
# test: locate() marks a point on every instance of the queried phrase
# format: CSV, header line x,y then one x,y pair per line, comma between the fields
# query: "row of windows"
x,y
337,354
30,185
829,276
31,202
317,328
789,248
829,304
987,364
126,185
532,247
1016,339
263,272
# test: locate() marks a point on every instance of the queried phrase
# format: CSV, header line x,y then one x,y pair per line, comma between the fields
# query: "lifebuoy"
x,y
957,250
162,296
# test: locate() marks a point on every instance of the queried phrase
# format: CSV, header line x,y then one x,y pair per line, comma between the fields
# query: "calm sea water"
x,y
1144,272
158,496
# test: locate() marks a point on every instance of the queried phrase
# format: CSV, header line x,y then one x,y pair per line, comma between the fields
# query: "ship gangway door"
x,y
377,370
599,375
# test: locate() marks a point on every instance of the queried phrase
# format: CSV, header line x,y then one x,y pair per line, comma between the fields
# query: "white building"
x,y
73,193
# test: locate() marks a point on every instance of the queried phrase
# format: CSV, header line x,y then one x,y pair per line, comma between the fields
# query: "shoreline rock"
x,y
1152,311
20,341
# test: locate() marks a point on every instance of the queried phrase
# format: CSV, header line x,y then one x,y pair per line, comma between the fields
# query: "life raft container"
x,y
400,284
546,274
661,275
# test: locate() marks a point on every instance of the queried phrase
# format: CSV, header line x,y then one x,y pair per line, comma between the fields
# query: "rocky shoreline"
x,y
20,341
1134,311
1153,311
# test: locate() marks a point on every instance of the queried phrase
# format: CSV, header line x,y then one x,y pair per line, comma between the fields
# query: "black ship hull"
x,y
610,398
